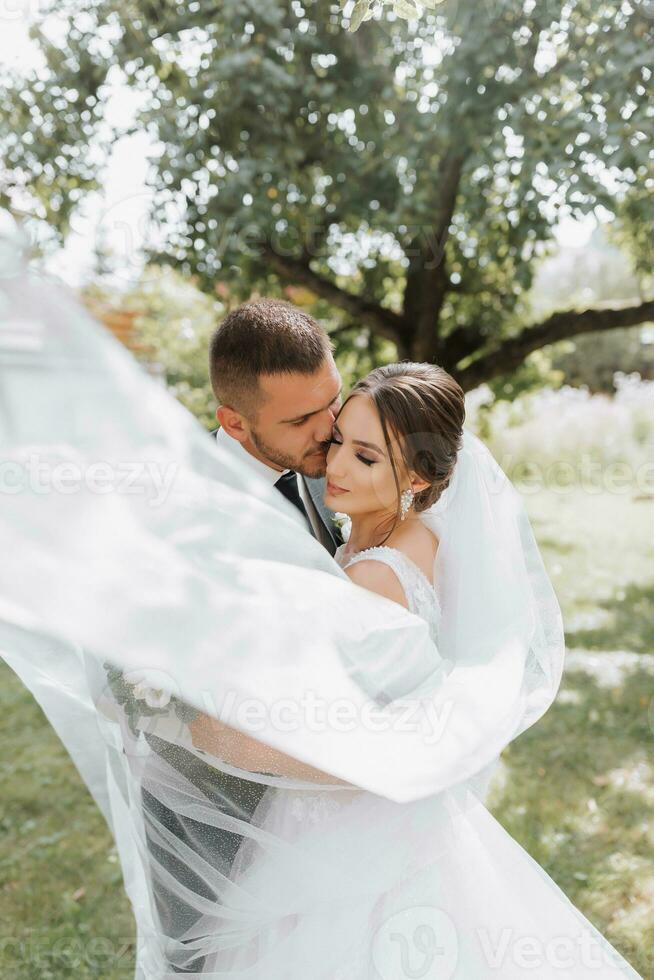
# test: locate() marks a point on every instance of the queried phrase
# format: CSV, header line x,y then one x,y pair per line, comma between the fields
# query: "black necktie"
x,y
287,485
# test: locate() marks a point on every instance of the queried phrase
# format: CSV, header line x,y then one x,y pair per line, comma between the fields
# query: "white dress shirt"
x,y
272,475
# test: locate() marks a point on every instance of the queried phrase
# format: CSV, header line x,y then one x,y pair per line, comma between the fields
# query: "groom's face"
x,y
294,424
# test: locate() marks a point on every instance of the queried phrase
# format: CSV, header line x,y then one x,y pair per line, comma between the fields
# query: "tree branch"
x,y
345,327
449,178
297,271
427,279
460,343
510,354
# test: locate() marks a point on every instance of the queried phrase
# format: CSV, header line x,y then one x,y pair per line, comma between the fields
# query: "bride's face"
x,y
359,475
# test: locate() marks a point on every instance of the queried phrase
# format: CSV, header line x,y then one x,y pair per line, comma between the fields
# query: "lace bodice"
x,y
420,593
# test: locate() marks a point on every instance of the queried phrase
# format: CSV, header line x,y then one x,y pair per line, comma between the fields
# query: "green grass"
x,y
576,790
599,550
63,909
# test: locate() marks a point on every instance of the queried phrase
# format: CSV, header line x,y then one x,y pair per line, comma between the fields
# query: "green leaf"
x,y
406,9
361,9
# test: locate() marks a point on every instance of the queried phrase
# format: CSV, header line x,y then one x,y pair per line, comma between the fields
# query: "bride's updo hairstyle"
x,y
424,408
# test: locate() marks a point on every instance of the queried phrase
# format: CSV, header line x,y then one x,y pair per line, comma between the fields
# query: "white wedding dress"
x,y
203,576
452,897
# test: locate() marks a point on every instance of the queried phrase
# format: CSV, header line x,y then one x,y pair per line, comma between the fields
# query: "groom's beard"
x,y
310,464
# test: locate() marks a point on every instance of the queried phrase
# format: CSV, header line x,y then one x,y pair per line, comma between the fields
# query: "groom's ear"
x,y
232,422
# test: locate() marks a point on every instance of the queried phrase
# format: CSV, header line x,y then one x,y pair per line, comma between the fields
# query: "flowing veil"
x,y
149,579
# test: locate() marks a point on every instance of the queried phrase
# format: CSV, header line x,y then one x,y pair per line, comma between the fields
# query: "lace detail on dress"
x,y
314,807
420,593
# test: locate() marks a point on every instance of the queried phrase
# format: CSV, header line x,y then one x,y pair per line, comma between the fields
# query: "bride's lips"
x,y
333,489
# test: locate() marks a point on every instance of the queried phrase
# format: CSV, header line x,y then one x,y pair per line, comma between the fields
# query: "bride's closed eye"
x,y
364,459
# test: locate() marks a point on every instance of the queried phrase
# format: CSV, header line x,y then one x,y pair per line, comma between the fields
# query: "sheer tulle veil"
x,y
130,539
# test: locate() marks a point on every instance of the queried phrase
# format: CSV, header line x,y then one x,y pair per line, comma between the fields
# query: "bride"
x,y
381,889
293,769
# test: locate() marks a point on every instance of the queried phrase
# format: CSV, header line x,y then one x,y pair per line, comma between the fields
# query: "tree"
x,y
597,273
170,326
408,176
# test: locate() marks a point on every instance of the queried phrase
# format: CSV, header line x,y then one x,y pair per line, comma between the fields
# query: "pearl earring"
x,y
406,499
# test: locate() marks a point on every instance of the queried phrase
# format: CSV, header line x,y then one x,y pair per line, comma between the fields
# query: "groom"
x,y
278,392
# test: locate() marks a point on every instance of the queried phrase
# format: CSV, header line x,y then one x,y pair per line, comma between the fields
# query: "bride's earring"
x,y
406,499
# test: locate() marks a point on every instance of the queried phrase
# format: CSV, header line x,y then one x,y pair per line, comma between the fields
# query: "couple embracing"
x,y
283,862
297,823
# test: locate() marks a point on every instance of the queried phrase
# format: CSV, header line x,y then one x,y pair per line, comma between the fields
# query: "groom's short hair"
x,y
263,336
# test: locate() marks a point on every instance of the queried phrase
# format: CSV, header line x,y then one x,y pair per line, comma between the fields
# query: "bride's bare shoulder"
x,y
376,576
417,542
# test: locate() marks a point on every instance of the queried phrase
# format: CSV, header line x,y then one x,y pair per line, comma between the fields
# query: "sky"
x,y
120,211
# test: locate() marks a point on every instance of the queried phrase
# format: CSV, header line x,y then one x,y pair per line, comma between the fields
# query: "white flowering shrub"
x,y
569,430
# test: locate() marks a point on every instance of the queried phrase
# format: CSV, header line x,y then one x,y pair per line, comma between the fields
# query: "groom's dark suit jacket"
x,y
236,797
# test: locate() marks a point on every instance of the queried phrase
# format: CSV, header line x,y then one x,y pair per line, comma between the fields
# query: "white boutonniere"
x,y
146,687
145,693
344,524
